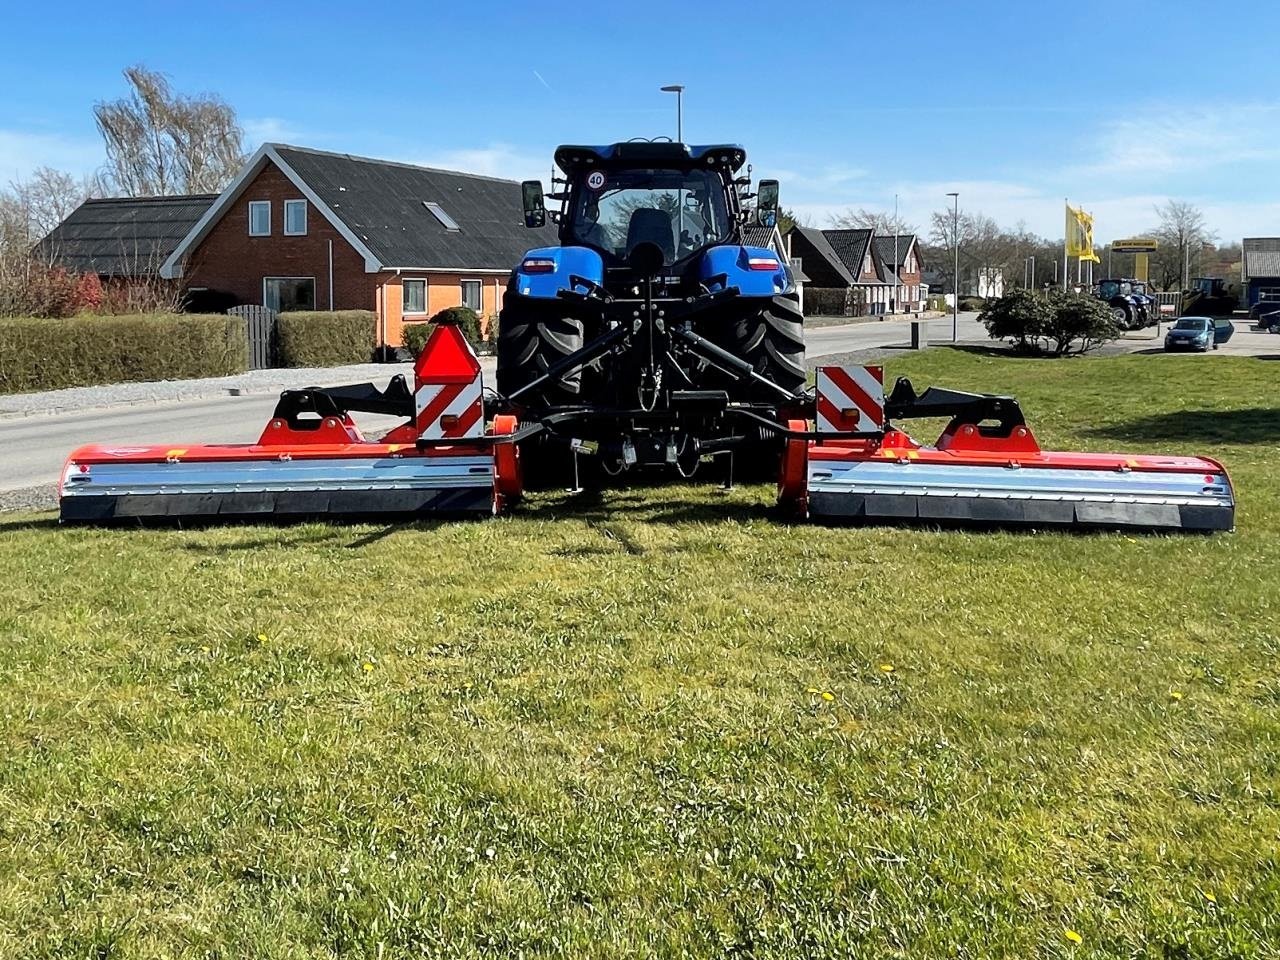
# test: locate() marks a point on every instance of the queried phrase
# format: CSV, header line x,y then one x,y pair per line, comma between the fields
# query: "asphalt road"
x,y
33,449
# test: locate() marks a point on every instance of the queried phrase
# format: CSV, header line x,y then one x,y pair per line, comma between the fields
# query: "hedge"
x,y
313,338
414,335
44,354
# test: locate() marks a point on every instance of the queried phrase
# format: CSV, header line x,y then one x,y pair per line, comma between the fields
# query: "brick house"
x,y
865,264
302,229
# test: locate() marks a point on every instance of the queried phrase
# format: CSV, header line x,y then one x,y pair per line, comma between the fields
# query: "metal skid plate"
x,y
1040,495
99,489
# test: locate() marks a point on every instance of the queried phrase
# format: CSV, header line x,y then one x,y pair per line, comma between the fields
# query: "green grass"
x,y
663,724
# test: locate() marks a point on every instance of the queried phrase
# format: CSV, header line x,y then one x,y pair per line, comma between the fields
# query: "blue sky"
x,y
1016,105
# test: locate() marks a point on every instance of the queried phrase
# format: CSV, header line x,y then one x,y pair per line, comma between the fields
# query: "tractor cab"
x,y
677,200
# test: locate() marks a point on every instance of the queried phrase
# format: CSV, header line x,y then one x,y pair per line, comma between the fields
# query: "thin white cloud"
x,y
496,160
22,151
542,80
260,130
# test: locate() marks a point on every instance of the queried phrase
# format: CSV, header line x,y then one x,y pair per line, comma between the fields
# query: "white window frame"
x,y
295,233
462,299
426,290
315,289
254,204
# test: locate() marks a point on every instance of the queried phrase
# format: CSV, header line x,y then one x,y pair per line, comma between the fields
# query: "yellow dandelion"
x,y
812,690
262,638
828,696
1073,936
1208,895
367,667
886,668
204,649
1175,694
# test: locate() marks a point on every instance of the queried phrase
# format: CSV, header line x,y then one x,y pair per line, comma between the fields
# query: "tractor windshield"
x,y
681,211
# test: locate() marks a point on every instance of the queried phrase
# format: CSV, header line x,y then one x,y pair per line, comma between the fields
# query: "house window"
x,y
439,213
283,294
415,296
259,218
472,295
295,218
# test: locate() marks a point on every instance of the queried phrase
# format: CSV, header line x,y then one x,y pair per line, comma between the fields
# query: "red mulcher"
x,y
312,462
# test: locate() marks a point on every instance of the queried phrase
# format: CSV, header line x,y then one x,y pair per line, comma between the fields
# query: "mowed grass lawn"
x,y
663,724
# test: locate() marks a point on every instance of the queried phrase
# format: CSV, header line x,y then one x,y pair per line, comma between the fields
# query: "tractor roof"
x,y
651,153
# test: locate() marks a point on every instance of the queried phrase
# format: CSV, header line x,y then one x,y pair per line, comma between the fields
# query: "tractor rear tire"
x,y
531,338
771,339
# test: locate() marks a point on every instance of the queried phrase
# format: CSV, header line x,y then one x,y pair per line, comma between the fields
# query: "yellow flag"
x,y
1080,235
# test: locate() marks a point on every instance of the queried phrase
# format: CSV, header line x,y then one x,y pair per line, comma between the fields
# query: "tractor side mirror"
x,y
535,207
767,203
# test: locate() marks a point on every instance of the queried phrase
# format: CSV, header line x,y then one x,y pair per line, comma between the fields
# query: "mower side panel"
x,y
730,266
569,262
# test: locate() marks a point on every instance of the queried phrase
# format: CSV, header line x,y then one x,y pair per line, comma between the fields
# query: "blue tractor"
x,y
652,336
1131,306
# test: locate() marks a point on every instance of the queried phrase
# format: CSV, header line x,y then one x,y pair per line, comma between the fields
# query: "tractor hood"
x,y
662,153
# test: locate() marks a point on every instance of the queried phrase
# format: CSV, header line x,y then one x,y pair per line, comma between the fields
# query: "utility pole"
x,y
955,283
895,254
678,90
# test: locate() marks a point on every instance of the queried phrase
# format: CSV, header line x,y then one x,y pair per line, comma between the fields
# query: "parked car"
x,y
1268,320
1191,333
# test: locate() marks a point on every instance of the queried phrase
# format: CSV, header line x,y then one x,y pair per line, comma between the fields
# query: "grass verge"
x,y
663,723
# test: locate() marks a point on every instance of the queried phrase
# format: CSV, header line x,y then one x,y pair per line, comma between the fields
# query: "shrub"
x,y
973,303
414,336
46,354
829,302
1078,317
937,304
311,338
1020,316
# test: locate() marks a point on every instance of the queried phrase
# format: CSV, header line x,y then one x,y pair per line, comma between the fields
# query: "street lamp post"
x,y
678,90
955,283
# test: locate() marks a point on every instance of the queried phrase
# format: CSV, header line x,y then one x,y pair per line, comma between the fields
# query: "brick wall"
x,y
232,262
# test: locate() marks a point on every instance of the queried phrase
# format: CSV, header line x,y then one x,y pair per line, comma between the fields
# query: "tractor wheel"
x,y
1122,315
530,339
771,339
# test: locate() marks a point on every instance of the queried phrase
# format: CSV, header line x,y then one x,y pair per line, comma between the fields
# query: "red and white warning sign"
x,y
850,399
447,401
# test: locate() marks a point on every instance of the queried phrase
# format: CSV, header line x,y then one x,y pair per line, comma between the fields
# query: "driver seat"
x,y
649,224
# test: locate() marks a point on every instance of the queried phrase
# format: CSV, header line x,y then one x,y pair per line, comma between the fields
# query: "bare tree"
x,y
1182,234
46,198
160,143
882,222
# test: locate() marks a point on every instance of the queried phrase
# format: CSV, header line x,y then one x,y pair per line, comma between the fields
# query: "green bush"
x,y
311,338
937,304
1053,324
973,303
44,354
414,335
1020,316
1077,318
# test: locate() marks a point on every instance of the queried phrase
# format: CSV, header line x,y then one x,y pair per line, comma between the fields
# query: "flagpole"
x,y
1066,237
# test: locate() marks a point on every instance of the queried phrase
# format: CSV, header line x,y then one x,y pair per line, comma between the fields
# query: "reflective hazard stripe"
x,y
850,399
450,410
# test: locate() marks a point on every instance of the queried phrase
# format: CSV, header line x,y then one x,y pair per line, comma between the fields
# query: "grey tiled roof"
x,y
818,240
383,203
1262,256
851,247
884,244
122,237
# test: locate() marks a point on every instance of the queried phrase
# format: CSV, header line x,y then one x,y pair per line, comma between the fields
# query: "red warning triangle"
x,y
446,358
